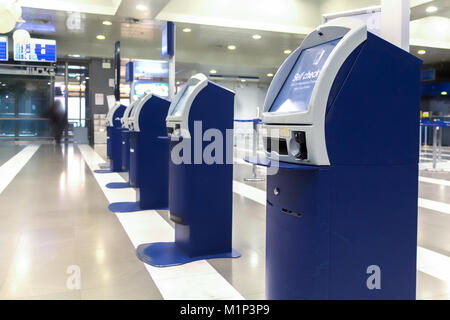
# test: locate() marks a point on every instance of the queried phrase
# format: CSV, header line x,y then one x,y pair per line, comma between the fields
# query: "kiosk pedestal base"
x,y
129,207
118,185
166,254
102,171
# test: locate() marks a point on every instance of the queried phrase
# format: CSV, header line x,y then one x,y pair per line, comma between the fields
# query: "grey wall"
x,y
98,83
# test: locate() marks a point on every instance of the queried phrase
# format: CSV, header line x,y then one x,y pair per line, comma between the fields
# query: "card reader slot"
x,y
292,213
281,143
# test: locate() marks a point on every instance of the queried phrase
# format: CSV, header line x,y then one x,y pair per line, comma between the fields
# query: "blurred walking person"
x,y
57,116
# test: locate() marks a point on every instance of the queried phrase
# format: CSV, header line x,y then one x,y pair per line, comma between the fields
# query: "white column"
x,y
395,15
172,86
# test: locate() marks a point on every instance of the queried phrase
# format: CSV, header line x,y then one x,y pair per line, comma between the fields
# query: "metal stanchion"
x,y
435,131
440,130
254,177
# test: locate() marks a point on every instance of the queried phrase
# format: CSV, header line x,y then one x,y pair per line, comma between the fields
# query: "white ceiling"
x,y
105,7
214,26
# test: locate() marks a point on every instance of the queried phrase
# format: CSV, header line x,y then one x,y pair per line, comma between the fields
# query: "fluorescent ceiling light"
x,y
270,75
141,7
231,47
107,23
243,80
101,37
187,30
212,71
421,52
287,51
256,36
431,9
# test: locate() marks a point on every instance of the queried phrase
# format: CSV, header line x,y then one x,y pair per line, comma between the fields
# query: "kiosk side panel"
x,y
205,207
373,223
377,109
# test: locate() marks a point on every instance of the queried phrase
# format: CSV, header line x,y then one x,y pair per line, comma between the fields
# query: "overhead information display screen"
x,y
187,91
296,92
37,50
4,48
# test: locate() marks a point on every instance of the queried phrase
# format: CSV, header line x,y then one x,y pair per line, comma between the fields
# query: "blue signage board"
x,y
168,40
37,50
428,75
129,72
3,48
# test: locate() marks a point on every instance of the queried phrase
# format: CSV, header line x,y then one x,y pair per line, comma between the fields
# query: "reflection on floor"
x,y
55,219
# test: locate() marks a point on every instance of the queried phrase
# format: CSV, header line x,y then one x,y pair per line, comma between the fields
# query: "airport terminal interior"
x,y
224,150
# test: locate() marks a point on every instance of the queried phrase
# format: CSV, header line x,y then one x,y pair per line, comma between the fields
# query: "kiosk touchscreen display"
x,y
296,91
178,109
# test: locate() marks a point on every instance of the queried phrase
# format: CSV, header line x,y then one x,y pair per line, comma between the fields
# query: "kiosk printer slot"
x,y
200,192
148,152
126,137
114,139
341,121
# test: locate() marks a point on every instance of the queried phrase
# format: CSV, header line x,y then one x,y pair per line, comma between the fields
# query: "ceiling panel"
x,y
104,7
202,49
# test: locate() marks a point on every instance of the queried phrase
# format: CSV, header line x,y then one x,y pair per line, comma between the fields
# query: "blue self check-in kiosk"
x,y
126,137
342,207
149,151
200,190
114,138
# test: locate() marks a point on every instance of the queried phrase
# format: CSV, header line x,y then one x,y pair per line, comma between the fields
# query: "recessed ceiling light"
x,y
256,36
74,55
212,71
270,75
431,9
187,30
287,51
243,80
101,37
231,47
444,93
141,7
421,52
107,23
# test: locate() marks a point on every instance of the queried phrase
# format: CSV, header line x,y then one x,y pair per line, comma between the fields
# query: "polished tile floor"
x,y
54,218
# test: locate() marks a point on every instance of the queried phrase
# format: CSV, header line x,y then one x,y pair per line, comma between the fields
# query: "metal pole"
x,y
426,136
435,130
254,177
420,136
66,100
172,76
440,129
